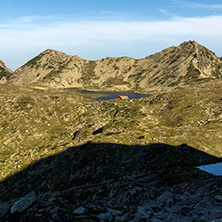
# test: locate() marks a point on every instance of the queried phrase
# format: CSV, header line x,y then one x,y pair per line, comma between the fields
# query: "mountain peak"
x,y
52,52
190,44
48,51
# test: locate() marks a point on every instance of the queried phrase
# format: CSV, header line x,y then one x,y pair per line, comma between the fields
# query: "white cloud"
x,y
96,39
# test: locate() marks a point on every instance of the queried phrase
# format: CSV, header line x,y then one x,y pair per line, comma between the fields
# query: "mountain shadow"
x,y
96,175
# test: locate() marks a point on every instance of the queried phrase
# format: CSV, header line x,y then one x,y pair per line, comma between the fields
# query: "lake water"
x,y
113,95
215,169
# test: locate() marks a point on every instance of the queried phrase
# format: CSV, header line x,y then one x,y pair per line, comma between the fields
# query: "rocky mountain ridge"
x,y
186,64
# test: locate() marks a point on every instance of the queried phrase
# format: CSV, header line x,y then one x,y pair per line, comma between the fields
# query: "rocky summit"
x,y
188,63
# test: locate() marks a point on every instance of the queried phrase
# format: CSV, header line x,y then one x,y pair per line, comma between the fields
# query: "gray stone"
x,y
38,215
41,210
62,201
205,203
218,198
24,203
143,212
156,220
80,210
125,217
171,218
55,216
215,212
165,197
181,198
56,194
109,215
4,207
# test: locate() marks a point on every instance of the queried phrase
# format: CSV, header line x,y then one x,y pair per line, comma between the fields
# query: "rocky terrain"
x,y
112,182
188,63
5,73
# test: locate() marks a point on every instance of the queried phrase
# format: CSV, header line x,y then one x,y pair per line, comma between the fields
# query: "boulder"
x,y
204,203
80,210
24,203
166,197
218,198
110,215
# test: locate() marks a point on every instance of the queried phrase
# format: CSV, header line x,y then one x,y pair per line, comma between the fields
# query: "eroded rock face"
x,y
112,182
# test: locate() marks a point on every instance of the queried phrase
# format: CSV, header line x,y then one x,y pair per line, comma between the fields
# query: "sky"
x,y
94,29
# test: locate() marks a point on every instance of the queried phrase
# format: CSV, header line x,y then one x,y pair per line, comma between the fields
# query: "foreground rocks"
x,y
110,182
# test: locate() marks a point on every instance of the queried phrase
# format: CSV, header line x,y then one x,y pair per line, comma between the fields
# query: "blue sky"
x,y
94,29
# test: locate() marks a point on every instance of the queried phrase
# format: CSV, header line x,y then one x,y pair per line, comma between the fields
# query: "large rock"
x,y
24,203
110,215
80,210
166,197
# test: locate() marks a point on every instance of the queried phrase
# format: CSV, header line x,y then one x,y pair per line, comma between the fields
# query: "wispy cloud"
x,y
198,5
165,12
28,19
112,15
4,26
98,38
116,30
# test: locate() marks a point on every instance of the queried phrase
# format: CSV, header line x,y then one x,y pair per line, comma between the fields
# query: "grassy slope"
x,y
35,123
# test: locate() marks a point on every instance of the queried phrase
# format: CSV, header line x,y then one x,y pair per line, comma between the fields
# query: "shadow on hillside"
x,y
94,163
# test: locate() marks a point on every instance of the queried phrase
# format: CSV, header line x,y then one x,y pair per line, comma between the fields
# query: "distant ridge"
x,y
185,64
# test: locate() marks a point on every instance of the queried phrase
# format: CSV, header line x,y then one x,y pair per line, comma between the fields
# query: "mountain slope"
x,y
4,72
175,66
182,65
